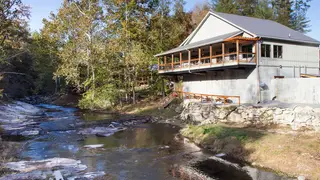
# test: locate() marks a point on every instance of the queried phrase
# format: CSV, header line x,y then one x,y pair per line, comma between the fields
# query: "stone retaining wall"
x,y
297,118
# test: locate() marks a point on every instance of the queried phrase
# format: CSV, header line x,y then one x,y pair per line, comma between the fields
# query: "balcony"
x,y
232,52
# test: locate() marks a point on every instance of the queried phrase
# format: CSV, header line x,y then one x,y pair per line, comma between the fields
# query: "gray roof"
x,y
267,28
205,42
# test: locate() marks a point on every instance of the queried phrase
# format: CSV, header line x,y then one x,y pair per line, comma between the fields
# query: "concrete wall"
x,y
294,90
212,27
232,82
297,59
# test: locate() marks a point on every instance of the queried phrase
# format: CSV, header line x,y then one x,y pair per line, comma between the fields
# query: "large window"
x,y
265,50
277,51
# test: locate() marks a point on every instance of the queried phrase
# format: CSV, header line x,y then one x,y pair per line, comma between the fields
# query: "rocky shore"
x,y
297,117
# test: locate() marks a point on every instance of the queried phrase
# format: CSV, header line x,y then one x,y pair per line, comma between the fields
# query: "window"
x,y
265,50
277,51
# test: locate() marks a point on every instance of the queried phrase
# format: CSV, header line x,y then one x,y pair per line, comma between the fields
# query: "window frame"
x,y
276,51
265,50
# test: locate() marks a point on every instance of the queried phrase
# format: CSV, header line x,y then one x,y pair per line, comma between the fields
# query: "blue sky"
x,y
41,9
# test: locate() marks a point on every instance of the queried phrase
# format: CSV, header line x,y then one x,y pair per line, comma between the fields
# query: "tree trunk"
x,y
93,82
163,89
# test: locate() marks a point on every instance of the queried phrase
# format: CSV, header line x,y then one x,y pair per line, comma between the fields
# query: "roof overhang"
x,y
205,42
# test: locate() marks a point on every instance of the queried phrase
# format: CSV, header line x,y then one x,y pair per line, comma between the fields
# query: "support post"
x,y
210,55
299,71
223,53
165,62
158,63
189,58
163,89
172,60
199,53
255,52
294,71
237,44
305,69
180,60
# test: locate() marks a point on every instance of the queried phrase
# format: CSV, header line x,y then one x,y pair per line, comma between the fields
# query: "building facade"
x,y
233,55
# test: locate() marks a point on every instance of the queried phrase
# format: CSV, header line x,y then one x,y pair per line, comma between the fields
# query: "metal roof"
x,y
205,42
267,28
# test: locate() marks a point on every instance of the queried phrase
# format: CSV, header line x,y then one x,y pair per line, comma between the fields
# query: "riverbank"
x,y
293,154
249,134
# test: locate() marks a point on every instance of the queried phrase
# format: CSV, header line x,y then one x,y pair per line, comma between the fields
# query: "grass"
x,y
294,154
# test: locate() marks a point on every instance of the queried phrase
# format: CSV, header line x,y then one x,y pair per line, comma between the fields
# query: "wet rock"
x,y
25,176
57,175
88,175
47,164
94,146
101,131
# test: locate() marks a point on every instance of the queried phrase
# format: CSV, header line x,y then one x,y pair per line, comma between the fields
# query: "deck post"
x,y
172,60
158,63
165,62
255,52
210,55
189,58
199,56
180,60
237,43
223,49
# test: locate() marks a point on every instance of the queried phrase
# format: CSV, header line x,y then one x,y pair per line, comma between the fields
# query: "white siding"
x,y
212,27
293,55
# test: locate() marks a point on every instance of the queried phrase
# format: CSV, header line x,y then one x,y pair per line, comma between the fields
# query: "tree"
x,y
198,12
225,6
299,21
77,30
291,13
13,27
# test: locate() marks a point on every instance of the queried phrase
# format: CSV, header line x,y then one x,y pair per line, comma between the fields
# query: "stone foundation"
x,y
297,118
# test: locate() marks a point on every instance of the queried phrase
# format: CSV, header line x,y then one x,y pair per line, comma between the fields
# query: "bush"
x,y
102,98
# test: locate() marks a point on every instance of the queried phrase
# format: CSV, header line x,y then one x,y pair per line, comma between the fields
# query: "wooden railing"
x,y
208,61
217,99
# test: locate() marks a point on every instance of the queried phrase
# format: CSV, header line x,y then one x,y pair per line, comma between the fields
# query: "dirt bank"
x,y
291,153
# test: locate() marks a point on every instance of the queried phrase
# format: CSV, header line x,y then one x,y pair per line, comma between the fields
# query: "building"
x,y
235,55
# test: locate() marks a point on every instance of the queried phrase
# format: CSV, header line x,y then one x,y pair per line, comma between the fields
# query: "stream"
x,y
140,151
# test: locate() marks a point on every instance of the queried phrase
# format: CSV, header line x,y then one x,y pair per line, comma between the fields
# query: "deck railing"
x,y
217,99
221,59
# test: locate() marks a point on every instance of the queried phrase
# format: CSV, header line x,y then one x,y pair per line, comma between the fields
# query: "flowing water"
x,y
145,151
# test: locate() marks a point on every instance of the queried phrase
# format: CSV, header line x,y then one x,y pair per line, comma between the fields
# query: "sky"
x,y
41,9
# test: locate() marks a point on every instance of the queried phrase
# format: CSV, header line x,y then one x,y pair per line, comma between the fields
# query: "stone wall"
x,y
297,118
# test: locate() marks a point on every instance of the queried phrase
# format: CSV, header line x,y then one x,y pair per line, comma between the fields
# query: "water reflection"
x,y
141,152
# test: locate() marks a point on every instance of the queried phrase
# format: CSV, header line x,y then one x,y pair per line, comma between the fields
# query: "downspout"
x,y
258,72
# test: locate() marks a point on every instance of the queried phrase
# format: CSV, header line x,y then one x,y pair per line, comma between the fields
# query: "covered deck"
x,y
215,53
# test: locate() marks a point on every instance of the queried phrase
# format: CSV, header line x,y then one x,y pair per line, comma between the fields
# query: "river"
x,y
142,151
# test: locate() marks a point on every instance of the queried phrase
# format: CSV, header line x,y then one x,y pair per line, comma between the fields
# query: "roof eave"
x,y
292,40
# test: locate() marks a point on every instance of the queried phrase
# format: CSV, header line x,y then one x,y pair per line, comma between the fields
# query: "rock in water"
x,y
94,146
89,175
101,131
28,166
57,175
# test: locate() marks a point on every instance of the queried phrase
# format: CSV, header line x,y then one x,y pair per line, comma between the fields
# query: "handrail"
x,y
194,61
224,97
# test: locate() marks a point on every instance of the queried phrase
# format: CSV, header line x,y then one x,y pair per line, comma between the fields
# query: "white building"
x,y
235,55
